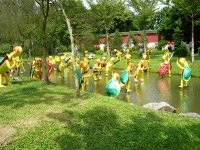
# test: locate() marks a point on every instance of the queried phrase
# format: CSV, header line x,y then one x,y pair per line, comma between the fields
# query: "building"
x,y
151,36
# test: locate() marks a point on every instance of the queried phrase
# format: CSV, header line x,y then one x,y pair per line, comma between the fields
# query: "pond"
x,y
153,89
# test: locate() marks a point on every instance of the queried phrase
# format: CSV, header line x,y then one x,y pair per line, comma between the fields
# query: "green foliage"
x,y
161,44
117,41
157,52
99,52
181,51
63,48
145,10
5,48
178,33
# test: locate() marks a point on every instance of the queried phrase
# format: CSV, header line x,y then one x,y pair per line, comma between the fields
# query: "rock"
x,y
160,106
194,115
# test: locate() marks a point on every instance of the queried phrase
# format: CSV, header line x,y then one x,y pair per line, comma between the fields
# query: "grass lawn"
x,y
40,116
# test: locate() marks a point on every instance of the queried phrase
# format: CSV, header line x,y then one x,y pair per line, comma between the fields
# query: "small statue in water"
x,y
85,71
165,67
139,71
128,57
118,54
186,71
97,70
125,77
113,86
145,62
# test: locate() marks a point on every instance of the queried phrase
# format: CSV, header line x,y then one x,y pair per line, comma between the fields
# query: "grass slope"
x,y
51,117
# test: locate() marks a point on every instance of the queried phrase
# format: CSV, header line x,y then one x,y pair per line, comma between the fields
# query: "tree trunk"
x,y
67,20
192,51
107,44
30,46
145,40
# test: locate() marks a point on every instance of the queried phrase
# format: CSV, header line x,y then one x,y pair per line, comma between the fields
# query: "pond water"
x,y
153,89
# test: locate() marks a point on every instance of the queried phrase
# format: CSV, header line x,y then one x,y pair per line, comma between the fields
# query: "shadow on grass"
x,y
35,93
101,128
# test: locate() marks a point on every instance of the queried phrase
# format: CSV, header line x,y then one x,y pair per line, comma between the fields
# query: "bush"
x,y
62,49
135,53
99,52
157,52
5,48
161,44
181,51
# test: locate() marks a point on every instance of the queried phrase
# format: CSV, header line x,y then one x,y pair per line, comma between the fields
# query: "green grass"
x,y
51,117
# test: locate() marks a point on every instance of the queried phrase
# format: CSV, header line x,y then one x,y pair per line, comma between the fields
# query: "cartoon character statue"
x,y
68,61
61,67
186,71
78,72
145,62
148,53
118,54
85,71
109,66
16,70
36,68
113,86
125,77
50,63
139,71
103,63
165,67
128,57
7,64
86,55
97,70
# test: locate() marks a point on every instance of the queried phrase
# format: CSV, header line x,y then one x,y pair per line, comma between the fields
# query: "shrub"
x,y
157,52
5,48
62,49
99,52
181,51
161,44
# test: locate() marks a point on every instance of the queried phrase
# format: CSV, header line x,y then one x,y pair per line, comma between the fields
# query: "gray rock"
x,y
160,106
194,115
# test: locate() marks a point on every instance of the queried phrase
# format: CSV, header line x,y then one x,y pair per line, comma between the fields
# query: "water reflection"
x,y
184,101
153,89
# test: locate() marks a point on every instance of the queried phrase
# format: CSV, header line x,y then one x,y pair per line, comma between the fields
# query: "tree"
x,y
105,12
190,8
117,41
72,48
144,11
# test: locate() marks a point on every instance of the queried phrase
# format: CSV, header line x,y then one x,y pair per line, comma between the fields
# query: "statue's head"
x,y
18,50
182,61
115,76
